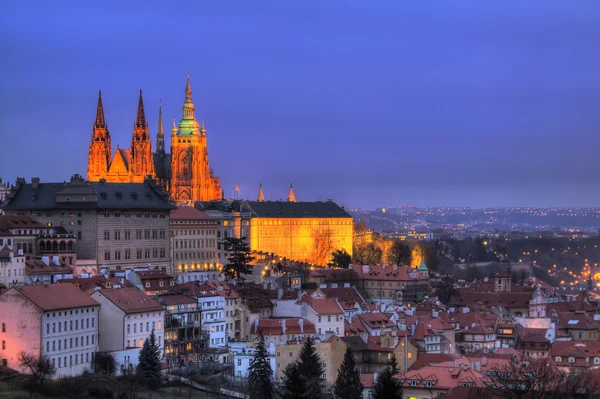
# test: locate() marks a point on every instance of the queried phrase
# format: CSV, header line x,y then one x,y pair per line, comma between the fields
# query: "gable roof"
x,y
130,300
281,209
55,296
190,213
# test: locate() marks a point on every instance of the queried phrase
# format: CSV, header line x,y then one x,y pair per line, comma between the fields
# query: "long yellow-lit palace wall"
x,y
302,239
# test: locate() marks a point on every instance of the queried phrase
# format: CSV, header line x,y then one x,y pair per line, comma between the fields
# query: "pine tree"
x,y
393,364
293,383
149,359
386,387
311,370
239,258
260,383
348,385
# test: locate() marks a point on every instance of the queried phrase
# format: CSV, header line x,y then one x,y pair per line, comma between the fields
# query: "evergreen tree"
x,y
393,364
311,370
348,385
239,258
149,360
341,259
293,384
386,387
260,373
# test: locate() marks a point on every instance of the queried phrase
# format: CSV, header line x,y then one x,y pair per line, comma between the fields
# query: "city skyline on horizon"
x,y
502,115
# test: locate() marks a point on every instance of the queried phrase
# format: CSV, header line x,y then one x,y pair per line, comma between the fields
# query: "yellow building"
x,y
331,353
301,231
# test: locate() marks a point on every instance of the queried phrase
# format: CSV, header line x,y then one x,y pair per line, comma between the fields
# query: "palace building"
x,y
185,172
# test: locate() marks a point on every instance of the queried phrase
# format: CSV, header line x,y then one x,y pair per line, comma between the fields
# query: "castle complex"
x,y
185,172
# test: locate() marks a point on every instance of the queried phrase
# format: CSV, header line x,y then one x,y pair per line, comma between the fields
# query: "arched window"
x,y
55,246
62,246
70,245
42,246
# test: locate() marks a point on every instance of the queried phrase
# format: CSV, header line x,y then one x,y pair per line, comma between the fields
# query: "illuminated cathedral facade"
x,y
185,172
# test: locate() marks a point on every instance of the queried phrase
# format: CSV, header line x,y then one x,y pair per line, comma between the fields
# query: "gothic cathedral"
x,y
185,173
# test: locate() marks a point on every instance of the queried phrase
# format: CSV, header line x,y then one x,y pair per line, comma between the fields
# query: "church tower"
x,y
141,163
191,177
100,152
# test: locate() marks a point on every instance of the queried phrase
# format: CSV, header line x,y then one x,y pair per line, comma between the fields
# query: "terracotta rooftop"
x,y
175,299
443,378
19,222
384,272
56,296
275,326
130,300
36,266
190,213
325,306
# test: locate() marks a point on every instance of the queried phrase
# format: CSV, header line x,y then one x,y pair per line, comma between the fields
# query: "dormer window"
x,y
161,284
571,360
148,284
428,384
558,359
412,383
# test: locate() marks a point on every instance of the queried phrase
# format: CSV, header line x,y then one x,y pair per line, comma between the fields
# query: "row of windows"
x,y
337,318
207,267
201,243
138,215
74,360
52,328
72,343
135,329
148,253
195,255
154,234
202,232
295,222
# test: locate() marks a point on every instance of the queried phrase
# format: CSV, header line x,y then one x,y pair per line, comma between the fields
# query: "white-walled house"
x,y
325,313
243,355
12,267
127,318
57,321
213,315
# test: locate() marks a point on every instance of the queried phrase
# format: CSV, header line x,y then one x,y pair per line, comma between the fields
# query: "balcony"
x,y
214,320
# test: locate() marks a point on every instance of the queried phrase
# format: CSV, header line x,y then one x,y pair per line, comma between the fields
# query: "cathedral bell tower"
x,y
100,152
140,158
191,177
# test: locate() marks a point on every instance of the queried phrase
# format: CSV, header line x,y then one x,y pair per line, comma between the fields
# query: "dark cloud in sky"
x,y
483,103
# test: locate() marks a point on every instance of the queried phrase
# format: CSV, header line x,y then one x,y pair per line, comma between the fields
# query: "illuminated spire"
x,y
140,120
202,129
100,122
261,195
160,135
291,196
188,105
174,128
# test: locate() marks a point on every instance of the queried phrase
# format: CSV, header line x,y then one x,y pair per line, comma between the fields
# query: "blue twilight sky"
x,y
482,103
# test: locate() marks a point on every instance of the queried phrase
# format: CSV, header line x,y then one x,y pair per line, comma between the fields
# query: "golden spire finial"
x,y
202,129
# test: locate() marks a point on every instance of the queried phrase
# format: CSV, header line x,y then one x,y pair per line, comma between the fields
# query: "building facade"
x,y
119,225
57,321
185,173
194,240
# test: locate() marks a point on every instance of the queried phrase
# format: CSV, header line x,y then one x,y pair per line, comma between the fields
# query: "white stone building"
x,y
12,268
325,313
127,319
213,316
242,356
57,321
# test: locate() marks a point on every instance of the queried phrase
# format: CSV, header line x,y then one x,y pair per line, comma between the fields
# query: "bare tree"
x,y
40,369
322,246
529,378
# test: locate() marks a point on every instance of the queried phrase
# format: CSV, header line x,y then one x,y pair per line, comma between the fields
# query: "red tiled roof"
x,y
89,284
36,266
130,300
324,306
275,326
190,213
56,296
445,378
385,272
5,252
176,299
375,320
19,222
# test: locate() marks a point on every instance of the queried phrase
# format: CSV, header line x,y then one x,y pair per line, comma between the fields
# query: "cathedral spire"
x,y
188,105
261,195
100,122
291,196
140,120
160,135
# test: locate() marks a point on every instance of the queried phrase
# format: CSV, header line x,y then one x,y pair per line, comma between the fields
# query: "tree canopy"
x,y
260,373
348,385
239,258
340,259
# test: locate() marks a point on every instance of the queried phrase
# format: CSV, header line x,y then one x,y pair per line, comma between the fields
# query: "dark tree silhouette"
x,y
149,360
400,253
340,259
239,258
348,385
260,384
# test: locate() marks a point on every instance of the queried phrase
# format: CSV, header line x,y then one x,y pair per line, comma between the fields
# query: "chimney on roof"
x,y
256,326
55,260
465,309
477,365
453,363
46,260
35,182
301,324
283,327
435,314
484,361
280,293
365,269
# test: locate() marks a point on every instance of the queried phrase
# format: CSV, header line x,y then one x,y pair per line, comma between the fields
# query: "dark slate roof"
x,y
162,165
283,209
80,194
